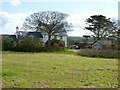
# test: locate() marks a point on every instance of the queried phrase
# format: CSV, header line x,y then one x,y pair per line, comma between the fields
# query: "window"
x,y
61,37
55,36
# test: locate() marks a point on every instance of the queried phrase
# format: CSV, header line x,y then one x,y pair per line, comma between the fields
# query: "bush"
x,y
99,53
8,44
54,45
29,44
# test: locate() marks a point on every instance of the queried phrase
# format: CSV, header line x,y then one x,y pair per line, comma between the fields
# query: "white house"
x,y
62,34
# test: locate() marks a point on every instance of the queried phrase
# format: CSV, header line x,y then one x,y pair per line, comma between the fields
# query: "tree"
x,y
56,45
49,22
101,27
29,44
8,44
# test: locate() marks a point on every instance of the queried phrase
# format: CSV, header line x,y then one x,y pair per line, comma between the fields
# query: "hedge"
x,y
100,53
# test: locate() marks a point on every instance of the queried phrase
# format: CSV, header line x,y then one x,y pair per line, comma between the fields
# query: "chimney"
x,y
17,32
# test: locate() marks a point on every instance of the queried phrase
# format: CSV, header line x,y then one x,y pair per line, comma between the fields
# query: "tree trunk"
x,y
98,35
49,38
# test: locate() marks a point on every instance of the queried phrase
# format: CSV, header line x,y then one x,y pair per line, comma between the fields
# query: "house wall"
x,y
106,42
45,38
64,38
97,46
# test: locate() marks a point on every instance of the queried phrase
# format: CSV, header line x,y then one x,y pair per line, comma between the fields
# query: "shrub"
x,y
8,44
29,44
55,45
99,53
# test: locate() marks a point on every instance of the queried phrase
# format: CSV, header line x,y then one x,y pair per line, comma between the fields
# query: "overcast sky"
x,y
14,12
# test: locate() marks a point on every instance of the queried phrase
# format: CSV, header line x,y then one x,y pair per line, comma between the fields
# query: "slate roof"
x,y
10,36
35,34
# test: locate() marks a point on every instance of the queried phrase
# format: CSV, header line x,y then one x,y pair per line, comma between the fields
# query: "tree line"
x,y
51,22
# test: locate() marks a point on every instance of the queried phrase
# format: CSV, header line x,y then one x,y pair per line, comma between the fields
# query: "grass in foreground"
x,y
56,70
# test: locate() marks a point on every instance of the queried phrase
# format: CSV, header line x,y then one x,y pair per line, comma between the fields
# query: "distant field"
x,y
56,70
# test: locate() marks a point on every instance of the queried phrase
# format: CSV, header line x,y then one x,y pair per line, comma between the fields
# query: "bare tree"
x,y
47,21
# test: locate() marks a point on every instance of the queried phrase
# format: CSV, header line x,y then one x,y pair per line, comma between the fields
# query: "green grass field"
x,y
57,70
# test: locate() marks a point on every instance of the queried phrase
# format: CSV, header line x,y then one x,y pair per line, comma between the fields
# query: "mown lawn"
x,y
57,70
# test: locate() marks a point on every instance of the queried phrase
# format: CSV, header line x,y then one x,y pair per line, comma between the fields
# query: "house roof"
x,y
22,33
35,34
96,42
10,36
61,32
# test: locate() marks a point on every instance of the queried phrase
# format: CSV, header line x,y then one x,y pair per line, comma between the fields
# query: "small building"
x,y
84,44
96,45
